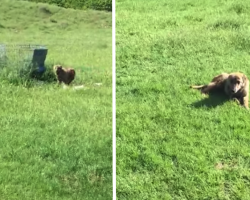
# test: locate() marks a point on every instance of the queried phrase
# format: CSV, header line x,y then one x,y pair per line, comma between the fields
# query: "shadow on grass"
x,y
212,100
48,76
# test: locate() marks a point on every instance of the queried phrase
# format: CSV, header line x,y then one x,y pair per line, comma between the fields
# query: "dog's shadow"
x,y
212,100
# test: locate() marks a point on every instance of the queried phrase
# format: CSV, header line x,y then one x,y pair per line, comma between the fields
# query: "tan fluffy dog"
x,y
235,85
65,75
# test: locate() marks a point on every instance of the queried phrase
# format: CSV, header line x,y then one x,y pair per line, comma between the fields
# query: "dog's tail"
x,y
197,86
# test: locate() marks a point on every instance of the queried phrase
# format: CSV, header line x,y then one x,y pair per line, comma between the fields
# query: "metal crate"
x,y
26,57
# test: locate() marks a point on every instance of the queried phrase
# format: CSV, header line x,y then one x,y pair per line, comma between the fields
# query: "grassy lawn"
x,y
57,143
173,143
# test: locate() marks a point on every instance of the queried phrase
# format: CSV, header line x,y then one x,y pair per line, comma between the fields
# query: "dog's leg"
x,y
246,97
245,102
197,86
235,100
208,87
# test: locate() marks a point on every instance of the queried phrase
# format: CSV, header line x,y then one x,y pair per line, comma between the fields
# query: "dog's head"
x,y
58,68
236,82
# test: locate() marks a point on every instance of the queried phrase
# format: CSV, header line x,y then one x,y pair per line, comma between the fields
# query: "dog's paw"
x,y
236,100
204,91
204,94
246,107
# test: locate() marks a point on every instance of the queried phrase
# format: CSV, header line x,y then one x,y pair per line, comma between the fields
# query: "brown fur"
x,y
235,85
64,75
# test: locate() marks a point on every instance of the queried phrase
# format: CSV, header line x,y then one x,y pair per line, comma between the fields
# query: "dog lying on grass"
x,y
64,75
235,85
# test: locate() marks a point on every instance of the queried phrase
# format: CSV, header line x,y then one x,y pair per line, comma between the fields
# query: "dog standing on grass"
x,y
65,75
235,85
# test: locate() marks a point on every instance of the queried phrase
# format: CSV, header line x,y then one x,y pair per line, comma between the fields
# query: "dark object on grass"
x,y
38,60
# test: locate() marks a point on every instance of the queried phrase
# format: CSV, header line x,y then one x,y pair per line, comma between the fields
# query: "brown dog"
x,y
235,85
65,75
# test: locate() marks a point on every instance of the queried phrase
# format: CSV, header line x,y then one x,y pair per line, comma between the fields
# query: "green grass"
x,y
57,143
173,143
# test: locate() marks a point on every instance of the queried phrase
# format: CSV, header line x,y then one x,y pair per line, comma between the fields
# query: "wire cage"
x,y
23,58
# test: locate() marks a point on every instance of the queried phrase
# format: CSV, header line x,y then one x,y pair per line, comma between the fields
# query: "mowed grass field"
x,y
172,142
57,143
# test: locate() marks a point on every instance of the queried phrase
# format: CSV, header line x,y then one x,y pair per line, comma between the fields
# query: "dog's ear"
x,y
244,78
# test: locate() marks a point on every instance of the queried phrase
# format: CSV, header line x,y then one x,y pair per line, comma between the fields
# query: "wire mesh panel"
x,y
2,55
23,58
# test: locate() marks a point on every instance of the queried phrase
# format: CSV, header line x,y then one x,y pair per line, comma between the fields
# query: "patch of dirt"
x,y
45,10
93,178
226,166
